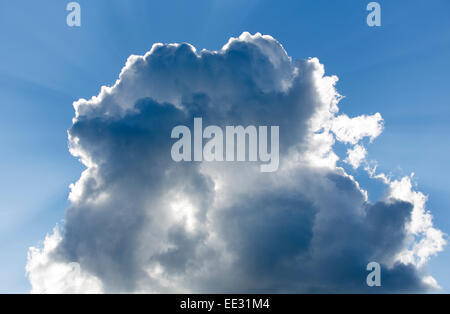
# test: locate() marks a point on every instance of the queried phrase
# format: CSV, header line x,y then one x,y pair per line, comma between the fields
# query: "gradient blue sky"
x,y
400,70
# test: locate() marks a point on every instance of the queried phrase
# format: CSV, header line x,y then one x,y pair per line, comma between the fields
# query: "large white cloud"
x,y
140,222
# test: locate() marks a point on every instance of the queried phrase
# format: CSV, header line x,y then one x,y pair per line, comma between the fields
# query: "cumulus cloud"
x,y
352,130
356,155
140,222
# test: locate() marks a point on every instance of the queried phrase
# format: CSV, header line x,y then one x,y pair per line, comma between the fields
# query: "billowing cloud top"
x,y
140,222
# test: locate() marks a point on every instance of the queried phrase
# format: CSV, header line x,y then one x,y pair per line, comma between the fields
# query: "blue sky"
x,y
400,70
